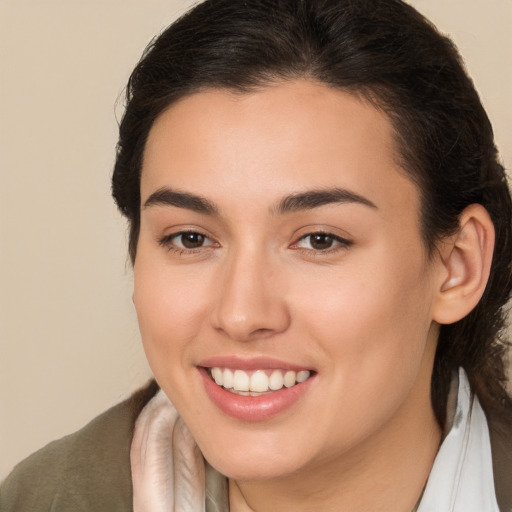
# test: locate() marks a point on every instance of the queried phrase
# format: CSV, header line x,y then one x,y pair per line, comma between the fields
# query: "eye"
x,y
189,240
322,242
186,241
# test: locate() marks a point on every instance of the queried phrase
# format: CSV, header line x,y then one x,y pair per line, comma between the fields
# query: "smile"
x,y
255,390
257,382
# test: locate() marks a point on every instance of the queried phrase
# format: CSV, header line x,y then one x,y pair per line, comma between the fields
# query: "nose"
x,y
251,303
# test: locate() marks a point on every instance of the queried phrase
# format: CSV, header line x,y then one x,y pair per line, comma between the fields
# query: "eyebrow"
x,y
167,197
294,202
316,198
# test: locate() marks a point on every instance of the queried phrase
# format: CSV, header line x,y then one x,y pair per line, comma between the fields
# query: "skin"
x,y
360,314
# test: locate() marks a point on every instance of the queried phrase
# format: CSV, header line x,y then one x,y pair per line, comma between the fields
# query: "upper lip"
x,y
252,363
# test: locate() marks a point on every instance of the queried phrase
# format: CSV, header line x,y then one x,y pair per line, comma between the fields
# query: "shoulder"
x,y
87,470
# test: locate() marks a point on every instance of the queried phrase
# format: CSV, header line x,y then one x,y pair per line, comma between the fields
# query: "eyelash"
x,y
167,242
341,243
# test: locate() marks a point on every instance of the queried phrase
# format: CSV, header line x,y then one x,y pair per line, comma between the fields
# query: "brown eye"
x,y
321,241
186,241
190,240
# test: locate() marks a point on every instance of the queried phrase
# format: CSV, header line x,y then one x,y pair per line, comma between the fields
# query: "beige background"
x,y
69,345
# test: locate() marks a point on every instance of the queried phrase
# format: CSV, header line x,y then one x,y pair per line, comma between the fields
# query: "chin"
x,y
255,459
244,468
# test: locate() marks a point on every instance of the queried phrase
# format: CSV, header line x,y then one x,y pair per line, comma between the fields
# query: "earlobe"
x,y
465,265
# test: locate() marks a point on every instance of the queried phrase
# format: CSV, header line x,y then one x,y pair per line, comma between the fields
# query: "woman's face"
x,y
280,241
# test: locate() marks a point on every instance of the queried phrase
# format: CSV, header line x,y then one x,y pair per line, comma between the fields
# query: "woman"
x,y
320,233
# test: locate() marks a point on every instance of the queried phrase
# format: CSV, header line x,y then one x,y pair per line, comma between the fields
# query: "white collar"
x,y
461,479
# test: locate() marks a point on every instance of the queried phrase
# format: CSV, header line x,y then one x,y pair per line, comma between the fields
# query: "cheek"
x,y
371,317
171,307
372,330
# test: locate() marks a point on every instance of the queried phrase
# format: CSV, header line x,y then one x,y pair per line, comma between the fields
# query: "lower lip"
x,y
253,408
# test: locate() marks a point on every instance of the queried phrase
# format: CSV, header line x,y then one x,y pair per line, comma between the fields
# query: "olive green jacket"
x,y
89,471
85,471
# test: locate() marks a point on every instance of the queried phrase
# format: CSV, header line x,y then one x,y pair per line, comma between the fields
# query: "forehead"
x,y
283,138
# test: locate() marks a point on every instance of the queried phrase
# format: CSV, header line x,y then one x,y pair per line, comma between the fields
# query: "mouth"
x,y
258,382
255,390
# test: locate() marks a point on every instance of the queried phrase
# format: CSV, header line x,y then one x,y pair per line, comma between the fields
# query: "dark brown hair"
x,y
386,52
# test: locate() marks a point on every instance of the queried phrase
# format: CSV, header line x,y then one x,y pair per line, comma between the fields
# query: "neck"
x,y
386,472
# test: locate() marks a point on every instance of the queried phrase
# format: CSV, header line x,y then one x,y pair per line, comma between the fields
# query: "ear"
x,y
465,263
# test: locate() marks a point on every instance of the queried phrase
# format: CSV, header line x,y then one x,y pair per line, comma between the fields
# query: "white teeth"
x,y
227,378
276,380
217,376
302,375
240,381
289,379
258,381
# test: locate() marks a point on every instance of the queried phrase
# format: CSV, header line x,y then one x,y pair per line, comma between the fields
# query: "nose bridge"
x,y
250,304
